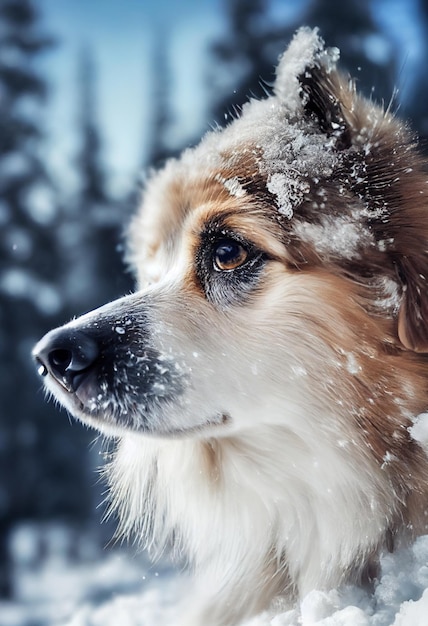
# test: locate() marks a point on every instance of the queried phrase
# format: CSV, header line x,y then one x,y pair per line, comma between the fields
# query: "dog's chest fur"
x,y
299,514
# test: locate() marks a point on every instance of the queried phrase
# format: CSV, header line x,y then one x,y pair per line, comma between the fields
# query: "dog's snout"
x,y
67,355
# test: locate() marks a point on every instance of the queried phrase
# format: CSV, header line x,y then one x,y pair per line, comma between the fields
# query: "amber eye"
x,y
229,254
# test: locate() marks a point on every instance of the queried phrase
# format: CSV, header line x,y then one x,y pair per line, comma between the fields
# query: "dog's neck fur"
x,y
297,510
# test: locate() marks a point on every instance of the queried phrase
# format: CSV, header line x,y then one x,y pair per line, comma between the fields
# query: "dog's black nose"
x,y
66,354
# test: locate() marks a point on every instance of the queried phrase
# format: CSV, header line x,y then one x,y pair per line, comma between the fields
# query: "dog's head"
x,y
282,271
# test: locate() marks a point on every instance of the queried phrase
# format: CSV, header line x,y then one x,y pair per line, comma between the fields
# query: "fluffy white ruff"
x,y
237,507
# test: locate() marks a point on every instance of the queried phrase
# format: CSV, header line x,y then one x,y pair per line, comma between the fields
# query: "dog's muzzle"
x,y
106,366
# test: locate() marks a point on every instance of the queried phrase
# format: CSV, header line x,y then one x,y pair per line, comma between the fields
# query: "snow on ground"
x,y
58,571
115,587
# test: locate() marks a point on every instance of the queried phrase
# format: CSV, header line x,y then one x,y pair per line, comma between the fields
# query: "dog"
x,y
262,382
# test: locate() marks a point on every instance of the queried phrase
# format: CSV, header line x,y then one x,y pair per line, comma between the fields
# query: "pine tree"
x,y
27,295
155,150
416,108
92,236
364,52
158,150
246,59
89,159
36,447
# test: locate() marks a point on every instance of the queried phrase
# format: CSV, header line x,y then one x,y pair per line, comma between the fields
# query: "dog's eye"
x,y
229,254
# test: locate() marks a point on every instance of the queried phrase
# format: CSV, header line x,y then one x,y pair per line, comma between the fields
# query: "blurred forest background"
x,y
61,237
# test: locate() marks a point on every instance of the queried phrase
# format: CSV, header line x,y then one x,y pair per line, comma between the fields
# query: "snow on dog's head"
x,y
339,177
263,380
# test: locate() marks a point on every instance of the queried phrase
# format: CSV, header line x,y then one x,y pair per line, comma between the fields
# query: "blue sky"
x,y
122,36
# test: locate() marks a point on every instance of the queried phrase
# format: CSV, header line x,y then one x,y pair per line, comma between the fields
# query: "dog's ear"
x,y
308,84
321,99
389,175
392,182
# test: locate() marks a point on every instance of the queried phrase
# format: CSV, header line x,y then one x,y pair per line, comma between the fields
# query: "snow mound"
x,y
399,599
153,608
116,589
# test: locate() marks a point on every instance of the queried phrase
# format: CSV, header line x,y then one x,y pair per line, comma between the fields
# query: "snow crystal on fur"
x,y
289,191
335,236
306,50
233,186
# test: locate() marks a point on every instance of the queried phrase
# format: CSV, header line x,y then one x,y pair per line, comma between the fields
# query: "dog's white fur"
x,y
286,464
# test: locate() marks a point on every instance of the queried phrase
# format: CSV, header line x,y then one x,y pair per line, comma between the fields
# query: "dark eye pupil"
x,y
227,252
229,255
